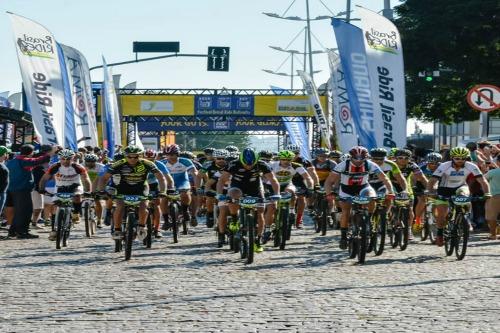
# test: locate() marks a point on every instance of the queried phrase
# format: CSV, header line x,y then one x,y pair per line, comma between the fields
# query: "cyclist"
x,y
378,156
284,170
324,166
232,149
153,184
209,174
299,184
266,156
94,169
432,162
68,177
129,176
245,176
353,175
180,168
335,156
451,177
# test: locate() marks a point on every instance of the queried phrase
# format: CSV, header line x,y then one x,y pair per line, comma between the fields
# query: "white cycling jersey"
x,y
351,175
450,177
284,175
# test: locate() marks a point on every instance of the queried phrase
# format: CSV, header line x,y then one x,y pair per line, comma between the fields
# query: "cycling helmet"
x,y
358,152
293,148
392,152
132,150
335,154
209,151
320,151
378,152
266,154
150,153
118,156
187,154
91,158
403,152
220,153
286,155
172,150
66,153
232,149
249,157
460,152
434,158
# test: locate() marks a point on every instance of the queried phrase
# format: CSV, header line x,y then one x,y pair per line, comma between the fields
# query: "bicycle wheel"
x,y
86,218
61,216
290,223
379,234
174,214
424,233
324,216
184,225
403,240
93,220
284,226
448,238
243,235
66,229
129,235
462,236
352,240
250,220
149,229
363,223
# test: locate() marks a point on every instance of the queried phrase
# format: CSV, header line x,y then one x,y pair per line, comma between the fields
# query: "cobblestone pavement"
x,y
192,286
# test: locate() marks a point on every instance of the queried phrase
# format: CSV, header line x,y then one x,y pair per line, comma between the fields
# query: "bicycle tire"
x,y
184,226
363,237
448,239
290,224
149,229
250,220
129,234
86,218
61,215
324,217
352,241
380,234
174,213
462,236
403,240
66,229
93,220
284,226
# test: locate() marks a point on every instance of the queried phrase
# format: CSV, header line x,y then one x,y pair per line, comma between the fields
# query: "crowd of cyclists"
x,y
211,184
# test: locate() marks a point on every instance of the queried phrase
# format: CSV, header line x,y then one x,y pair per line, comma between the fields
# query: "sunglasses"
x,y
403,158
65,158
133,157
458,159
358,158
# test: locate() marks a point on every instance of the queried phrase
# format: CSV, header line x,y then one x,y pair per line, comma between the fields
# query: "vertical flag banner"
x,y
312,91
69,128
357,80
41,72
384,54
344,122
81,97
111,112
296,129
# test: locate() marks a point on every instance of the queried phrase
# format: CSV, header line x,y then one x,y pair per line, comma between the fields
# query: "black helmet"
x,y
378,152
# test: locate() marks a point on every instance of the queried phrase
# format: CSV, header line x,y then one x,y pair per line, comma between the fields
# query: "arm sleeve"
x,y
33,161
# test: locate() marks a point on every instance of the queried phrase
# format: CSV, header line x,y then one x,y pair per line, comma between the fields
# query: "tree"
x,y
460,38
198,142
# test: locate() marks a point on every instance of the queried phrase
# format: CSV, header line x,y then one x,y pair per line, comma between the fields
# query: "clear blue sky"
x,y
108,27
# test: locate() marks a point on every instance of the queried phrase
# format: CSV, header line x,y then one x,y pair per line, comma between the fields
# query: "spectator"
x,y
36,197
4,176
493,205
20,186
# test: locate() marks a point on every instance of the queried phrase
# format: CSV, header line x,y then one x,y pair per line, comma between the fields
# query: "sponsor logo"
x,y
382,41
157,106
42,47
293,105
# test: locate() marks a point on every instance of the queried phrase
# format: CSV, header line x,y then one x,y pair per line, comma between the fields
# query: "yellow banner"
x,y
157,105
285,106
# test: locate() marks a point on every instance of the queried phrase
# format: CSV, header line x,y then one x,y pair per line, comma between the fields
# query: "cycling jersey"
x,y
297,180
179,171
248,181
354,179
66,177
450,177
323,169
285,174
212,171
95,171
387,167
131,179
407,173
163,169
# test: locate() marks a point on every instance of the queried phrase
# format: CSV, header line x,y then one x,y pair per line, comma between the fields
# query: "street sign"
x,y
484,97
139,47
218,59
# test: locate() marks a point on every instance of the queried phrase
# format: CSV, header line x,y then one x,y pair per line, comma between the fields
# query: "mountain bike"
x,y
399,225
174,214
89,215
359,228
248,223
378,226
282,225
321,212
63,223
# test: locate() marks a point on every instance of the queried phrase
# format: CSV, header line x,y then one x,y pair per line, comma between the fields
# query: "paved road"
x,y
192,286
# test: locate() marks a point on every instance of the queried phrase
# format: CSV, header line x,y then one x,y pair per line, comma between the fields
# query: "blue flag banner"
x,y
357,80
69,128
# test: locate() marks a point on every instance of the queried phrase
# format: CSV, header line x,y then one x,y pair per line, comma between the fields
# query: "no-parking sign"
x,y
484,97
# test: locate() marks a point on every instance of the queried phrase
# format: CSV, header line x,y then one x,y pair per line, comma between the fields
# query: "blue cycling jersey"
x,y
163,169
180,172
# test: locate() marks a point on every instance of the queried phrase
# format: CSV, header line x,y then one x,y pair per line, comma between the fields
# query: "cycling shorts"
x,y
347,192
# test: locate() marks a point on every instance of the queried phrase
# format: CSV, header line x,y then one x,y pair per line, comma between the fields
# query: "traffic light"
x,y
429,75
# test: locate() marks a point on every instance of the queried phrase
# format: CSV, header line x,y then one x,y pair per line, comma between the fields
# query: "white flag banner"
x,y
315,102
81,93
384,56
138,141
111,111
41,73
347,136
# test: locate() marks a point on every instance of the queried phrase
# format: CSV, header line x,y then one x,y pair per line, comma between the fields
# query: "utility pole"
x,y
348,10
309,41
387,12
